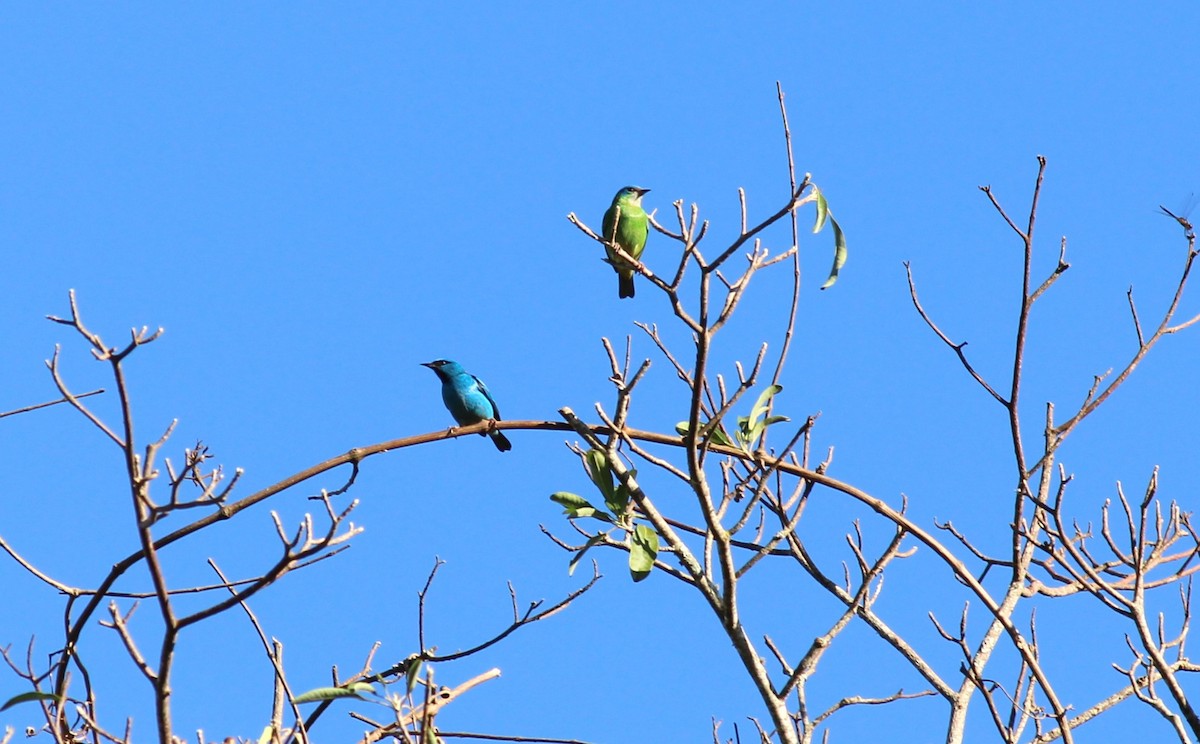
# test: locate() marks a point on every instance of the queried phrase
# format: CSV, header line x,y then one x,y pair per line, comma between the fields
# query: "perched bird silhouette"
x,y
467,398
626,224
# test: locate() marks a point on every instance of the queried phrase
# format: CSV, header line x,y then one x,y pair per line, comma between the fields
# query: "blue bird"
x,y
468,399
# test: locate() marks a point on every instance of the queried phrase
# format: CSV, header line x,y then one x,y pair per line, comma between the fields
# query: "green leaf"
x,y
720,437
751,427
756,431
620,500
822,210
601,474
569,500
764,402
333,693
575,559
411,674
839,254
26,697
643,549
575,505
717,435
599,470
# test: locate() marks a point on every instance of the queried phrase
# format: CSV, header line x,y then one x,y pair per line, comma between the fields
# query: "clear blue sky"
x,y
313,199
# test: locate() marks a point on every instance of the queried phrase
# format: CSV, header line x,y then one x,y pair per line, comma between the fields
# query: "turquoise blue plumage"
x,y
468,399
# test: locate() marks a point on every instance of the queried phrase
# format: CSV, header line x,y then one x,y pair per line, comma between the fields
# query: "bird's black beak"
x,y
427,364
643,192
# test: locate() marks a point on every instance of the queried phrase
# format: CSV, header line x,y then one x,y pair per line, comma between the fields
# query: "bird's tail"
x,y
625,285
500,441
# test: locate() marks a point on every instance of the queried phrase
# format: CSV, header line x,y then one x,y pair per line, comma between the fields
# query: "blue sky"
x,y
313,199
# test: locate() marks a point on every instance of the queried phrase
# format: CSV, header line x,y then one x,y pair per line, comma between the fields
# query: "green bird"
x,y
628,230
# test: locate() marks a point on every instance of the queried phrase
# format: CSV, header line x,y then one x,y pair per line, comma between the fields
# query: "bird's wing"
x,y
610,218
487,394
641,228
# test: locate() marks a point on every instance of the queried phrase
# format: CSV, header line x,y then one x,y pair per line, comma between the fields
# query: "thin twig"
x,y
36,406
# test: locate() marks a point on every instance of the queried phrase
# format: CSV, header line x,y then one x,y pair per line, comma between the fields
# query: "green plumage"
x,y
627,225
